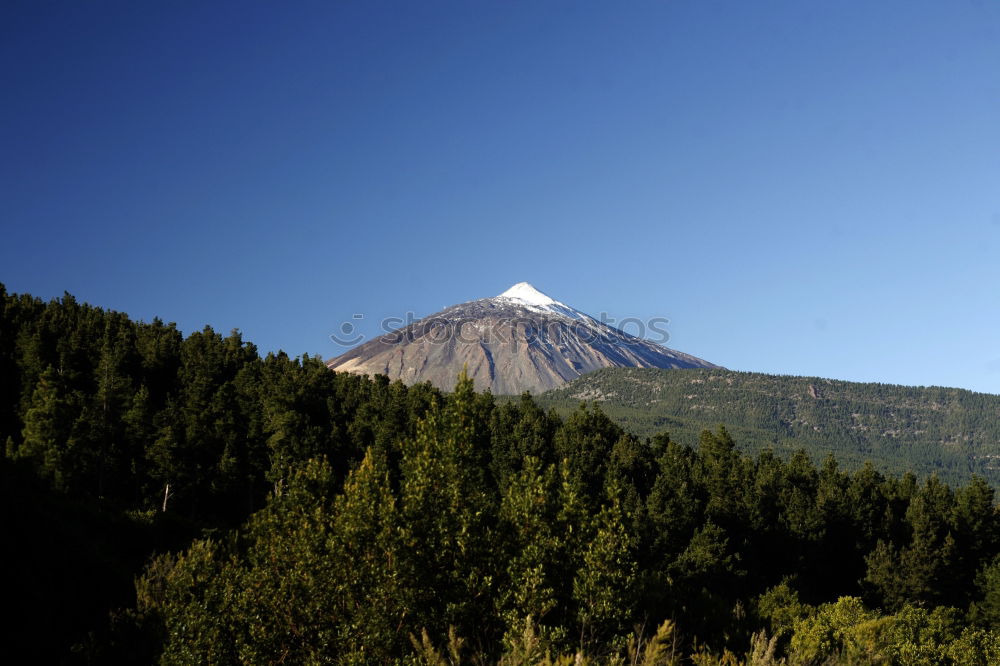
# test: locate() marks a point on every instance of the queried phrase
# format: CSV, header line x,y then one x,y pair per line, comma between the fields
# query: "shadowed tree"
x,y
45,439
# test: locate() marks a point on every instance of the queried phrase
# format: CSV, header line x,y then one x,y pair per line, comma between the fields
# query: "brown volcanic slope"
x,y
519,341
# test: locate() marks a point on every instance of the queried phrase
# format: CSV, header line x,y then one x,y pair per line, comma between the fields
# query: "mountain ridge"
x,y
949,431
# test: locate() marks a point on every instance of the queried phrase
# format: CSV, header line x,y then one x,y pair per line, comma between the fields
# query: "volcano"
x,y
521,340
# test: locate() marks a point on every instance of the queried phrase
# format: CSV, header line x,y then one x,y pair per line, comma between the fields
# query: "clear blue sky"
x,y
801,187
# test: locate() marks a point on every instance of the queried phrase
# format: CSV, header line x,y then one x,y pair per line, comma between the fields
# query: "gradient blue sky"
x,y
808,188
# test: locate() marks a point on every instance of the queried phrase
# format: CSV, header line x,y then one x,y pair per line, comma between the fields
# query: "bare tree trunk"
x,y
166,496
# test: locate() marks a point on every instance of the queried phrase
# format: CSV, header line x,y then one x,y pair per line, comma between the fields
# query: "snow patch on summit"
x,y
524,292
527,296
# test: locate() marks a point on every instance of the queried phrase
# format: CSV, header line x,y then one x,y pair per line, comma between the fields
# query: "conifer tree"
x,y
450,511
528,519
372,569
140,433
977,528
923,570
722,474
113,392
584,442
287,599
675,503
604,587
45,439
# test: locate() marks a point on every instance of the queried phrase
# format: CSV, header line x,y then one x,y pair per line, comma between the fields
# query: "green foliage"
x,y
605,585
927,430
46,439
848,632
781,607
925,569
986,609
584,442
368,549
529,517
448,511
193,593
275,511
829,631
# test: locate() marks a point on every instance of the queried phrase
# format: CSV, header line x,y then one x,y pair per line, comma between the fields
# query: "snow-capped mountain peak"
x,y
523,291
527,296
521,340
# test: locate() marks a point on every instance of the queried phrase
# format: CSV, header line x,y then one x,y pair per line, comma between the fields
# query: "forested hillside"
x,y
945,431
182,500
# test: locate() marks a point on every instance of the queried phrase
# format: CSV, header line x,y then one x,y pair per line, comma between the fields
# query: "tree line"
x,y
273,511
927,430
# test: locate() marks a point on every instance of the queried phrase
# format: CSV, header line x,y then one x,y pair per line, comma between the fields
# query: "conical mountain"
x,y
521,340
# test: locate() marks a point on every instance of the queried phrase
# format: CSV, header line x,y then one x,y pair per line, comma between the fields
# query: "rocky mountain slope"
x,y
521,340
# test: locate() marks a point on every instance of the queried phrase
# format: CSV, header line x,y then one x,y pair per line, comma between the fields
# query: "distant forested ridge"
x,y
927,430
180,499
